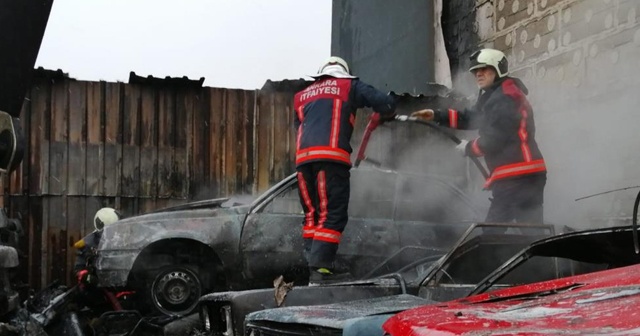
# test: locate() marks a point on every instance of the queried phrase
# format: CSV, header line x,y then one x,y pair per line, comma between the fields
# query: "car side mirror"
x,y
12,143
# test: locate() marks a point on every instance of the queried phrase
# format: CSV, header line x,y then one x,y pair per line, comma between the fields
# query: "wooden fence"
x,y
135,147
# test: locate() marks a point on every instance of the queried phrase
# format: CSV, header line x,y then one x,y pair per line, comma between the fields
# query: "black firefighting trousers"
x,y
518,199
324,194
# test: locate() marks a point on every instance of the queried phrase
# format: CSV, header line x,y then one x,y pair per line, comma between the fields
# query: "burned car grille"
x,y
288,329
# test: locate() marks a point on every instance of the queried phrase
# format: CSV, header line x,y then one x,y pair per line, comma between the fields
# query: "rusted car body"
x,y
174,256
550,258
468,261
598,303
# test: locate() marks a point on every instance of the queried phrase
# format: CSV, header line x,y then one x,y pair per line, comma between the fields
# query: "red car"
x,y
599,303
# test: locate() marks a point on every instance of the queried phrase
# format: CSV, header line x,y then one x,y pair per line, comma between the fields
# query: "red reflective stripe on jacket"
x,y
516,169
327,235
475,149
453,118
335,123
323,152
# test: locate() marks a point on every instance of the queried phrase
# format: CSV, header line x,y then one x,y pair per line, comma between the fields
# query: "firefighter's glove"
x,y
462,147
426,114
387,117
84,277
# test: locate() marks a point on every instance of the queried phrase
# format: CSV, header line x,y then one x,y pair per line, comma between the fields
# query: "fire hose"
x,y
374,122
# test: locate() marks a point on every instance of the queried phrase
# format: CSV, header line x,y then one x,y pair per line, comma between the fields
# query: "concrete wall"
x,y
388,44
580,59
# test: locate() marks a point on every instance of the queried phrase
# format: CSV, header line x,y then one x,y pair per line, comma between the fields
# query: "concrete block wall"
x,y
581,62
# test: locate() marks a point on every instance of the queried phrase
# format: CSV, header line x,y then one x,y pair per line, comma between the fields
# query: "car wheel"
x,y
175,290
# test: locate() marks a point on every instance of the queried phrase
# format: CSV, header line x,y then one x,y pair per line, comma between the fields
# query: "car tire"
x,y
175,289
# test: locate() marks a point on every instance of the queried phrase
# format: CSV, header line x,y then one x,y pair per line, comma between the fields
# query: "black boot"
x,y
325,276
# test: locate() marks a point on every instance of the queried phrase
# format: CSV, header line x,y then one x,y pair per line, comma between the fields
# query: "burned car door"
x,y
270,241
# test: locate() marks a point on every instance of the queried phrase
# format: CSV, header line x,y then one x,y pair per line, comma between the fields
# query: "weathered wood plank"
x,y
187,103
57,237
199,141
265,127
94,145
38,137
248,148
77,138
231,117
131,142
281,125
59,138
216,141
148,183
166,142
113,139
36,221
75,229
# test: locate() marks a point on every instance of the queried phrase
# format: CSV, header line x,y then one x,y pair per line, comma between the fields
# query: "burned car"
x,y
550,258
174,256
474,255
598,303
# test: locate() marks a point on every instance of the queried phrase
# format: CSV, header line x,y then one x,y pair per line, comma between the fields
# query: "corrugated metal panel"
x,y
389,44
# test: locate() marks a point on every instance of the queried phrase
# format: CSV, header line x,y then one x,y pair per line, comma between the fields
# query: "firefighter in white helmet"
x,y
325,116
85,247
504,119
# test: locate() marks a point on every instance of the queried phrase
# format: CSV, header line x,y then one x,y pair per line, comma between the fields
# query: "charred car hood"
x,y
183,223
335,315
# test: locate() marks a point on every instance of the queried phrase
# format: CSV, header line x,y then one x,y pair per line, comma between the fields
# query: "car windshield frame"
x,y
527,254
259,203
438,265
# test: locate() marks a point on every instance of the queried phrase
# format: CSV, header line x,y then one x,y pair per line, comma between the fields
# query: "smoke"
x,y
434,183
586,115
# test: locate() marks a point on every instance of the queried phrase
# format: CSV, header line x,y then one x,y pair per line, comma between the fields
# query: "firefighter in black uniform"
x,y
324,119
506,129
85,247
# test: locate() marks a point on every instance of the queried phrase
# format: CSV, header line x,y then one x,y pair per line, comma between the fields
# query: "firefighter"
x,y
506,129
89,243
324,119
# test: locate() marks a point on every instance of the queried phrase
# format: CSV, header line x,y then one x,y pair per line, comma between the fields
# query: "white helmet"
x,y
104,217
335,67
490,57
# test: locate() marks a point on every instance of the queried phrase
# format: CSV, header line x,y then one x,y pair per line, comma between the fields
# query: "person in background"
x,y
85,247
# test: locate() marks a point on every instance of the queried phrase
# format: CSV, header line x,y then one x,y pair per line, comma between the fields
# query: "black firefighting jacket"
x,y
506,129
325,115
84,249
